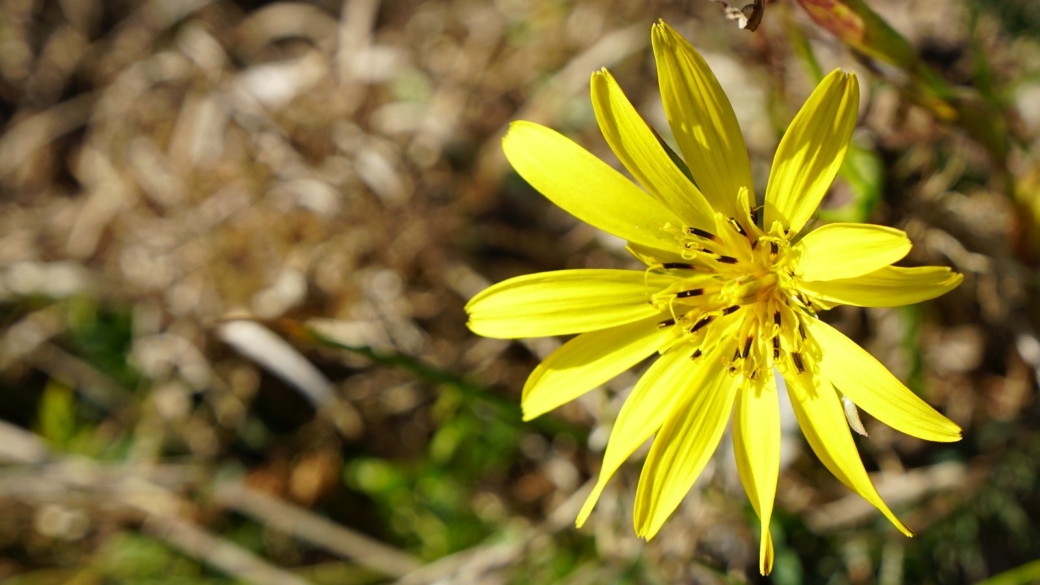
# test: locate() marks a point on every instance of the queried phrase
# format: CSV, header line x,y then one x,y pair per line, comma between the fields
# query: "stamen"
x,y
727,259
747,347
696,292
739,228
701,324
776,347
696,355
801,331
730,310
677,266
807,302
753,211
754,244
704,234
774,248
776,318
797,359
666,323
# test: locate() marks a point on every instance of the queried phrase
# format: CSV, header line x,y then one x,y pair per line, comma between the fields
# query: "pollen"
x,y
737,293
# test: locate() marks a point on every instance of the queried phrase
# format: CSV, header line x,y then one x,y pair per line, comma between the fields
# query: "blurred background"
x,y
236,239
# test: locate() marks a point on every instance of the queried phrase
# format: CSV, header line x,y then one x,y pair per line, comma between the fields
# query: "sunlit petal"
x,y
756,445
587,361
642,154
645,410
681,449
873,388
702,121
811,151
891,286
586,187
847,250
563,302
820,415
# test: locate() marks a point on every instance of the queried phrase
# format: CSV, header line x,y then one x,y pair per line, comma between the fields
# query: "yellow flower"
x,y
730,294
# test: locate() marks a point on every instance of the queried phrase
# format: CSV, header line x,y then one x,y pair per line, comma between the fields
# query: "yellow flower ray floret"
x,y
756,445
729,298
702,120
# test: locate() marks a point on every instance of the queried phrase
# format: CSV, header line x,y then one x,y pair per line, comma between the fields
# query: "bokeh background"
x,y
236,239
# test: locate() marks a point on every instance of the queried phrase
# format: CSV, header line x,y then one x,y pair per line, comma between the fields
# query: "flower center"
x,y
734,292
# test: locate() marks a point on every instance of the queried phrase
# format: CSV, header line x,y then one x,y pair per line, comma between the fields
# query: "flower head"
x,y
730,294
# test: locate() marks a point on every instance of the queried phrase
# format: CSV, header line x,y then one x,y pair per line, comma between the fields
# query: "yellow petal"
x,y
819,413
642,154
756,445
563,302
847,250
586,187
873,388
645,410
891,286
587,361
811,151
702,121
682,447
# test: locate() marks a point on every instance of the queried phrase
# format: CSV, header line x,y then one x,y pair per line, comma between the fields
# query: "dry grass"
x,y
185,184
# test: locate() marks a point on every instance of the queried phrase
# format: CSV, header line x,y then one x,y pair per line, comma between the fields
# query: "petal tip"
x,y
528,415
765,555
661,32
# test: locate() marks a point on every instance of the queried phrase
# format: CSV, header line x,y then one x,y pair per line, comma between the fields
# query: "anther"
x,y
730,310
736,354
747,348
774,248
802,298
704,234
677,266
727,259
804,301
666,323
776,348
701,324
797,359
696,292
754,244
753,211
801,331
776,318
739,228
696,355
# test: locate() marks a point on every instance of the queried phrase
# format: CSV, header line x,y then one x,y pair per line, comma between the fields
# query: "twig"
x,y
316,530
19,446
131,488
895,489
39,130
509,410
749,17
218,553
79,374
